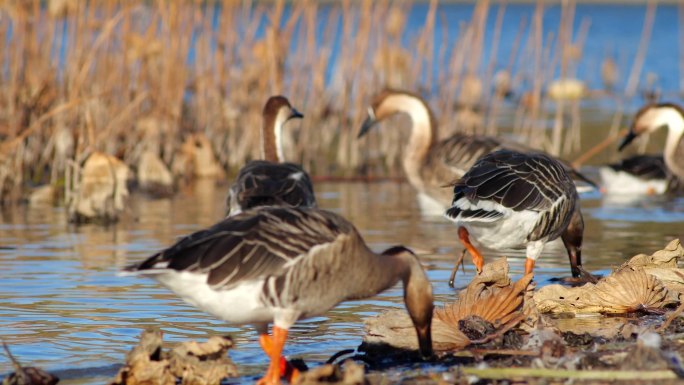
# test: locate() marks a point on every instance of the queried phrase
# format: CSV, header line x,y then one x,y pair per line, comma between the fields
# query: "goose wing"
x,y
506,181
252,245
643,166
262,183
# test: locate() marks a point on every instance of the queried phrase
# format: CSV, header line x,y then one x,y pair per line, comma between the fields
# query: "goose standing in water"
x,y
430,164
649,174
270,182
510,199
283,264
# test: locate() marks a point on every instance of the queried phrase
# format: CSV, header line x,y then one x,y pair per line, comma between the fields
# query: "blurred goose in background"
x,y
651,174
510,199
270,182
429,164
283,264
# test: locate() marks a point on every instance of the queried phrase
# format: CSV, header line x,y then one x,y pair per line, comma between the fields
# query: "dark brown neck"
x,y
268,140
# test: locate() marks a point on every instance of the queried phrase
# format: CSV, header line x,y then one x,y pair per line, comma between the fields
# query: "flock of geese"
x,y
277,258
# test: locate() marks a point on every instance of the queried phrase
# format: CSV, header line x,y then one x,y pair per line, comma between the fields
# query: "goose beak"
x,y
425,342
294,114
627,139
368,123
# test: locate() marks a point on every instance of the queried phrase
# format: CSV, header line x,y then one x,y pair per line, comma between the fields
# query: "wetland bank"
x,y
182,83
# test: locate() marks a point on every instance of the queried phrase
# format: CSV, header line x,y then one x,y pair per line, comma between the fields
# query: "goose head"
x,y
276,113
417,296
572,239
653,117
390,102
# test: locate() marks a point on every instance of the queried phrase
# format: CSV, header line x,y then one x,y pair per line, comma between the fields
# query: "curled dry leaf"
x,y
665,258
622,292
350,374
489,296
191,362
144,364
663,265
203,363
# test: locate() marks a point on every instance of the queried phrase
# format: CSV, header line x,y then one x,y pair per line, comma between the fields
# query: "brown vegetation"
x,y
119,78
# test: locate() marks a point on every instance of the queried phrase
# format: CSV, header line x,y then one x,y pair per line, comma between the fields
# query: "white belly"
x,y
509,232
239,305
619,182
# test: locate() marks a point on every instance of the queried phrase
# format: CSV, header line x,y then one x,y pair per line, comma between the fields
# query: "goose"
x,y
429,164
270,182
651,174
283,264
510,199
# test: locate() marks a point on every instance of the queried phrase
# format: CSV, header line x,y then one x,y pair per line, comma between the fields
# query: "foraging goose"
x,y
647,173
431,165
270,182
510,199
283,264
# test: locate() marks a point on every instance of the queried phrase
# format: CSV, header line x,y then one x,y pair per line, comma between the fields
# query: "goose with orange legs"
x,y
283,264
272,182
510,199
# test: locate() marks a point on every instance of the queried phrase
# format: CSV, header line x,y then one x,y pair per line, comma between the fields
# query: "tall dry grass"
x,y
125,77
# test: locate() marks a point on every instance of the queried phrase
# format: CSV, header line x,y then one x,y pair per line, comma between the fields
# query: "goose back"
x,y
517,181
263,183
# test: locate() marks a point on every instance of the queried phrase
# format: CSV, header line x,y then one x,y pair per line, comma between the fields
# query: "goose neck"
x,y
271,139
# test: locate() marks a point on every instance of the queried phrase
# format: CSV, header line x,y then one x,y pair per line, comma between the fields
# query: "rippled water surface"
x,y
62,306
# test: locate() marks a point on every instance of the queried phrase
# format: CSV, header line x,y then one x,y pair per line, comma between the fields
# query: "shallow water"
x,y
63,308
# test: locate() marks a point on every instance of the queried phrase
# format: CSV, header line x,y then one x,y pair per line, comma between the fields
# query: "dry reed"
x,y
126,78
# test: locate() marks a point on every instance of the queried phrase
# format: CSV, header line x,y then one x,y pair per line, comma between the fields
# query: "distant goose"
x,y
430,164
270,182
283,264
647,173
510,199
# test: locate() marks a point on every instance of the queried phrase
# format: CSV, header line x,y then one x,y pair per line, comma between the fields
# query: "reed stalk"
x,y
121,77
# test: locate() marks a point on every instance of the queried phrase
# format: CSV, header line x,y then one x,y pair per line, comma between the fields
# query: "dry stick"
x,y
671,318
598,148
633,80
490,127
511,373
459,262
564,35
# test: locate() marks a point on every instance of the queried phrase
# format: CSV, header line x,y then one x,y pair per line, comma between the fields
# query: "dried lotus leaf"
x,y
622,292
630,291
665,258
489,295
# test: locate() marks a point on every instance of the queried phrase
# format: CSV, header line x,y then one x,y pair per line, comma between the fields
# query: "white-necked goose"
x,y
270,182
648,173
282,264
510,200
431,164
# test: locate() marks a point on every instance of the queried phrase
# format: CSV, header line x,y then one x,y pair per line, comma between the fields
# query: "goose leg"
x,y
478,260
284,367
459,261
276,343
529,265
